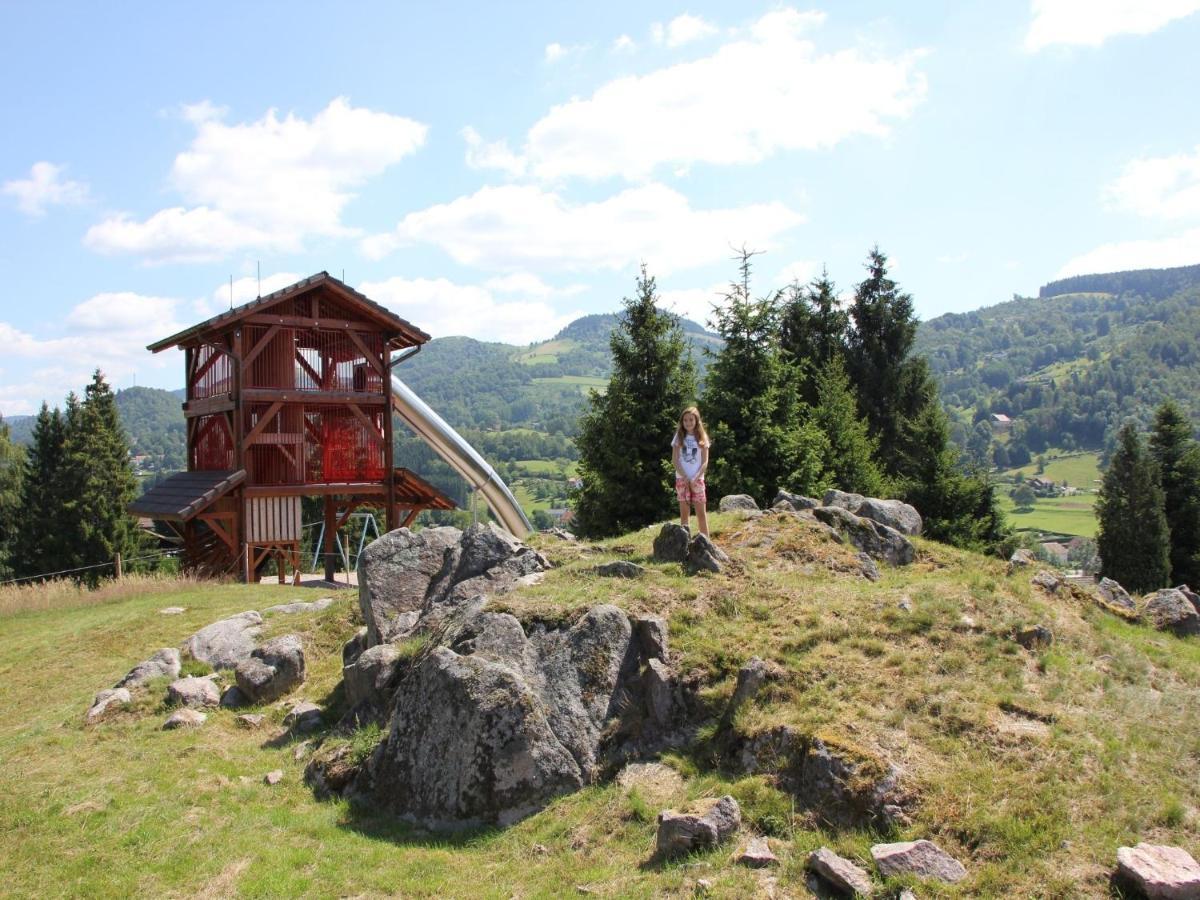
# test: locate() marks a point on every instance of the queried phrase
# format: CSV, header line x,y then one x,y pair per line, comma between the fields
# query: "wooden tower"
x,y
288,396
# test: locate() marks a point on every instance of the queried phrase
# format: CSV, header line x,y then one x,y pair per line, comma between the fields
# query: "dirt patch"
x,y
656,782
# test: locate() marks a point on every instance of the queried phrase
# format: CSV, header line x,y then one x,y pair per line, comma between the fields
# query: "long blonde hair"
x,y
701,434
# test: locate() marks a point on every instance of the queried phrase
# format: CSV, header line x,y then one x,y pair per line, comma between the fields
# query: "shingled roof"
x,y
373,310
183,496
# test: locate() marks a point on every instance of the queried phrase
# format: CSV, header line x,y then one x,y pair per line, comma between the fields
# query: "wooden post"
x,y
117,565
330,535
247,562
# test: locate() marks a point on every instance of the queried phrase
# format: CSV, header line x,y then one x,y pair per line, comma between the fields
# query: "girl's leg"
x,y
702,519
683,513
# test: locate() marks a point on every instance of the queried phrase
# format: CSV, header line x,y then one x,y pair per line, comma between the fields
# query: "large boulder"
x,y
680,833
1157,871
491,727
704,555
733,502
226,643
414,572
876,540
1170,610
272,670
797,502
1115,595
671,543
892,513
163,664
843,500
369,677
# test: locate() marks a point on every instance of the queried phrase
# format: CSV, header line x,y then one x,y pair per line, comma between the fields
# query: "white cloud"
x,y
1161,253
555,52
45,187
1165,187
681,30
624,44
1091,22
494,155
694,303
802,271
267,184
769,91
108,331
442,307
518,226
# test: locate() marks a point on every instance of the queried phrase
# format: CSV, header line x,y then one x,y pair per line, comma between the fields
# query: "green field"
x,y
546,353
1059,515
1080,470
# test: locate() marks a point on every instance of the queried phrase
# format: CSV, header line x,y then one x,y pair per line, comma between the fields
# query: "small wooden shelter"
x,y
288,396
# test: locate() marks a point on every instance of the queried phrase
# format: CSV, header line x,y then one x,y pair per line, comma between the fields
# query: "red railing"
x,y
313,360
316,444
215,369
212,446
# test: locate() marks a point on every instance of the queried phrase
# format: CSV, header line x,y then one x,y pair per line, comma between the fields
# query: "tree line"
x,y
803,395
63,499
1149,505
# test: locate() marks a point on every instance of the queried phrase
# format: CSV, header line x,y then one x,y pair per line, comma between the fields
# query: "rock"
x,y
893,513
490,728
193,692
301,750
233,698
273,669
1192,596
250,720
877,540
794,501
750,679
671,544
840,873
869,570
704,555
905,605
731,502
273,777
1159,871
659,692
1111,592
225,643
620,568
1036,637
395,572
369,679
703,885
906,894
1170,610
1047,581
173,610
680,833
924,859
487,561
651,632
300,606
105,701
1021,559
848,502
844,786
757,854
303,717
354,647
184,718
561,533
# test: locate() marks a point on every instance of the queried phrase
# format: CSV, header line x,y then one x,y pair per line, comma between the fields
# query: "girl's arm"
x,y
703,460
675,460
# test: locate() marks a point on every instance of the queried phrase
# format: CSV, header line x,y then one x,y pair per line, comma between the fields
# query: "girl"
x,y
689,454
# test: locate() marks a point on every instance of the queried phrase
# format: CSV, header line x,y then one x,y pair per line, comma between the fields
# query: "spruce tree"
x,y
1133,538
99,482
1178,458
851,456
12,463
751,403
37,544
813,330
625,435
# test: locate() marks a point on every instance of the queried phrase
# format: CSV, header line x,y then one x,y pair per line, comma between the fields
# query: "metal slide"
x,y
461,456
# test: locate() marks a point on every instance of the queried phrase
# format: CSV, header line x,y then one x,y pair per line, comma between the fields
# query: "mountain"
x,y
1070,365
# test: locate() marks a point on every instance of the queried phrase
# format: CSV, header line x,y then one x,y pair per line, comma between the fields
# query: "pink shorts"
x,y
688,494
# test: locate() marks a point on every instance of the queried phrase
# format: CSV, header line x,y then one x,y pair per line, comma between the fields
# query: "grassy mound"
x,y
1030,767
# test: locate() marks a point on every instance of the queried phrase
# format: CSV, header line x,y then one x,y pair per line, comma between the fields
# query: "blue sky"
x,y
497,170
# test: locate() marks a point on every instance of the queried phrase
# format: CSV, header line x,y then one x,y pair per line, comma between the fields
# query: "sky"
x,y
497,170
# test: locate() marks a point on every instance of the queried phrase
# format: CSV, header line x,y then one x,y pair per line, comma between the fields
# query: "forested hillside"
x,y
1069,367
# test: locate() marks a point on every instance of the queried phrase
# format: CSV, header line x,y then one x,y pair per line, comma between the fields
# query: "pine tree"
x,y
813,330
98,480
625,435
1178,458
851,455
12,463
751,403
37,545
1133,539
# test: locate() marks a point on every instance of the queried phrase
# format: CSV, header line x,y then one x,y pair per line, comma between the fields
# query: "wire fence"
x,y
158,554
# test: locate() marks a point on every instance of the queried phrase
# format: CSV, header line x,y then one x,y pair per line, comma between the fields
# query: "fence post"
x,y
117,564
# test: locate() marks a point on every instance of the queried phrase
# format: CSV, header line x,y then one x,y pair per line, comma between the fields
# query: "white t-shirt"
x,y
689,455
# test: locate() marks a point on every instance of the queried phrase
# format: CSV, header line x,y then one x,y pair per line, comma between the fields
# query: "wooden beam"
x,y
268,395
208,363
351,506
367,422
261,345
348,488
314,322
262,423
371,356
411,517
208,405
312,373
216,521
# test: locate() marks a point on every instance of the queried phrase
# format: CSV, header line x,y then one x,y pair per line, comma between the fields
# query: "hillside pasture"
x,y
1057,515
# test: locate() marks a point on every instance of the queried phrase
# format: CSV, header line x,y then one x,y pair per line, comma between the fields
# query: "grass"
x,y
1058,515
1032,768
1080,470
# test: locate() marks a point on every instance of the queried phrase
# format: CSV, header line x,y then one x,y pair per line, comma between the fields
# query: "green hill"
x,y
1029,766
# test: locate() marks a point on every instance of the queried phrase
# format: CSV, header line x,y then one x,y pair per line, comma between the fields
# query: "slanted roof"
x,y
369,307
415,492
186,495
